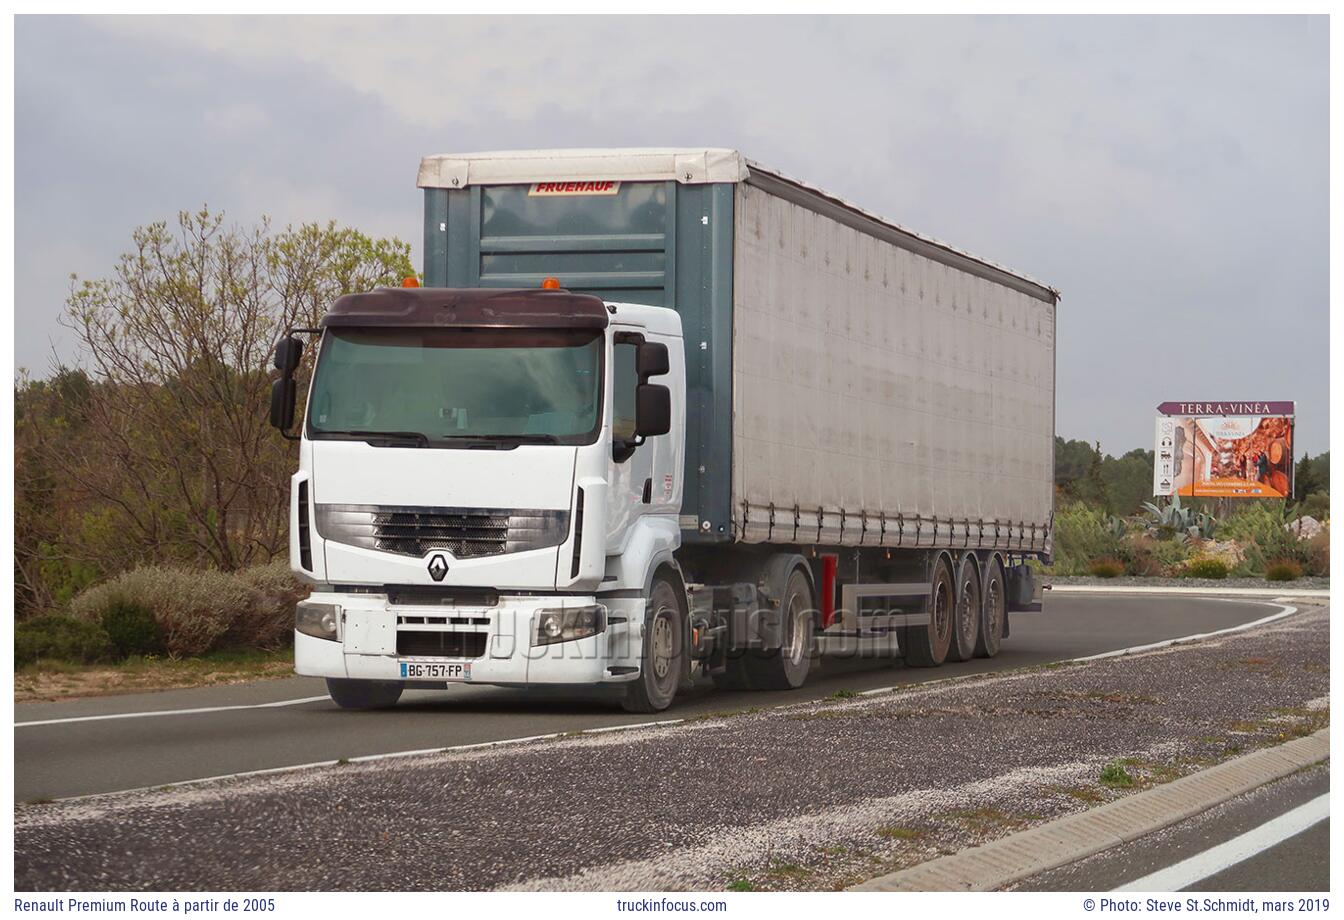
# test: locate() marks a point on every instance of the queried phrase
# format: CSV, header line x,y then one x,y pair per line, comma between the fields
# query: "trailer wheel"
x,y
926,646
786,667
994,607
664,654
364,694
966,623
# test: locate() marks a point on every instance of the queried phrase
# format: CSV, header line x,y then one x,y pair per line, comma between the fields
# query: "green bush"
x,y
1081,535
1106,568
131,629
1206,567
1283,570
197,610
1261,528
1170,555
62,638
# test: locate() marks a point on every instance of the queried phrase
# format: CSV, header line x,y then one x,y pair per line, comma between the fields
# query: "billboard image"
x,y
1224,449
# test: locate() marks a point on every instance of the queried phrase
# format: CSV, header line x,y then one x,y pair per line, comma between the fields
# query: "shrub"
x,y
1283,570
1206,568
131,629
199,610
1138,553
193,609
269,621
1318,554
60,637
1081,534
1106,567
1170,555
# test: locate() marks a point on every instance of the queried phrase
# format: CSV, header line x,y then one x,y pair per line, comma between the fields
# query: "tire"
x,y
926,646
663,657
786,668
994,612
966,618
364,694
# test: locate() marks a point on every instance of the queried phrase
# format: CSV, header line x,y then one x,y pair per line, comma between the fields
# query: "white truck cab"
x,y
488,486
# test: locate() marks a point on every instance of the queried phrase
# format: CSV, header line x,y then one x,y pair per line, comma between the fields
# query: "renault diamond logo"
x,y
438,567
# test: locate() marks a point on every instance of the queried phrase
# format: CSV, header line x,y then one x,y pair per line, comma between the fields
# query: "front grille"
x,y
427,644
464,532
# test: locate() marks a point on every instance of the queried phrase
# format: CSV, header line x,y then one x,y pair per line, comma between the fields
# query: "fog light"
x,y
566,624
317,620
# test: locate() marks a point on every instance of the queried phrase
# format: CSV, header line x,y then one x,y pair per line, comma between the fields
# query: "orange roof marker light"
x,y
550,284
410,282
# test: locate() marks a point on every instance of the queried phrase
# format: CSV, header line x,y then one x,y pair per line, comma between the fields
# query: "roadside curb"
x,y
1285,591
1074,837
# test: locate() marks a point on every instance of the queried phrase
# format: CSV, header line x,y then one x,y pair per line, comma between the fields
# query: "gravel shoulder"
x,y
815,796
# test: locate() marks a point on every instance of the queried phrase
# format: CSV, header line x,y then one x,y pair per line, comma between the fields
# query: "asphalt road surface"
x,y
104,752
1193,856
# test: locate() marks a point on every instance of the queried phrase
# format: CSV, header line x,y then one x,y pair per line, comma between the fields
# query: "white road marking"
x,y
1286,611
171,712
1237,850
371,758
1176,592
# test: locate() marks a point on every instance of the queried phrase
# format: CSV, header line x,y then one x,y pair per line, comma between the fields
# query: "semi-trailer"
x,y
660,413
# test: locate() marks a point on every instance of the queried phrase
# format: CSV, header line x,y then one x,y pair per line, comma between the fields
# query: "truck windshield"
x,y
458,385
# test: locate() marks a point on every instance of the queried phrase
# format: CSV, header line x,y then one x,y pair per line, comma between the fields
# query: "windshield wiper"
x,y
510,440
420,439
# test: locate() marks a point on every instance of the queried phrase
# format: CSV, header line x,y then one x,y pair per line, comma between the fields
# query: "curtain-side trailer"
x,y
806,429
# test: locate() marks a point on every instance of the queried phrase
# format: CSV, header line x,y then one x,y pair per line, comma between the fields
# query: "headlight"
x,y
562,625
313,619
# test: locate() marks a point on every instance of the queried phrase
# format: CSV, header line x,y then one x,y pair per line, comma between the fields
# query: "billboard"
x,y
1224,449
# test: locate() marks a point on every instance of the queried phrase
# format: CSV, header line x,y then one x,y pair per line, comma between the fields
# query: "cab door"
x,y
631,470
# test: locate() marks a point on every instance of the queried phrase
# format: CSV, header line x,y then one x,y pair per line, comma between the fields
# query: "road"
x,y
102,754
1238,846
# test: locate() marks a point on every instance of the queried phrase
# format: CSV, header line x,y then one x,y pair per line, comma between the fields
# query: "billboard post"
x,y
1236,449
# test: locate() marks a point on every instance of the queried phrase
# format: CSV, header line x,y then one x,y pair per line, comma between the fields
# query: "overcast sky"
x,y
1169,174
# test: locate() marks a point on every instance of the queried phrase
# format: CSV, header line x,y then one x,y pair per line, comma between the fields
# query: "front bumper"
x,y
366,643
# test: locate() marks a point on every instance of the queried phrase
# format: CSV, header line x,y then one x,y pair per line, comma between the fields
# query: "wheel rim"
x,y
993,611
662,646
966,612
797,620
941,613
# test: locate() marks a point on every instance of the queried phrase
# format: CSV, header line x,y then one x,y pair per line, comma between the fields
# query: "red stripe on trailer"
x,y
829,565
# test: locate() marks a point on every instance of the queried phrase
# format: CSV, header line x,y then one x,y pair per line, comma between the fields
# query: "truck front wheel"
x,y
664,650
364,694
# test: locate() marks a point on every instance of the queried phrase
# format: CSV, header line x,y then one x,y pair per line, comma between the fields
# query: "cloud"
x,y
1168,174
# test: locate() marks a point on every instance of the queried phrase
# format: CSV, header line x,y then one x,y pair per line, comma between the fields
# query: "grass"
x,y
791,871
1115,776
1083,794
55,680
843,695
895,832
740,884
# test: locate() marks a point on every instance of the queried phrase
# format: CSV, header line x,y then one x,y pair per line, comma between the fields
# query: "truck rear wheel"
x,y
994,612
786,668
364,694
966,623
664,653
926,646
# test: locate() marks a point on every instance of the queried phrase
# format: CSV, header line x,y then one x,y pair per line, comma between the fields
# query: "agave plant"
x,y
1179,522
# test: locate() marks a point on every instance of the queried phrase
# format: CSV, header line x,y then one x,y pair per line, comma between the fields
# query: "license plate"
x,y
434,670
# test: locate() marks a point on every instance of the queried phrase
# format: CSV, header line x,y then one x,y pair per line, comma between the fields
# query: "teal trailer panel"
x,y
659,243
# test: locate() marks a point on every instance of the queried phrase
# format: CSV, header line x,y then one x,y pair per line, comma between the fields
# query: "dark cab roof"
x,y
476,307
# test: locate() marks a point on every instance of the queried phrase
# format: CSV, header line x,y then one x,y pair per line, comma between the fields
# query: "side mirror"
x,y
287,353
282,403
651,360
653,408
